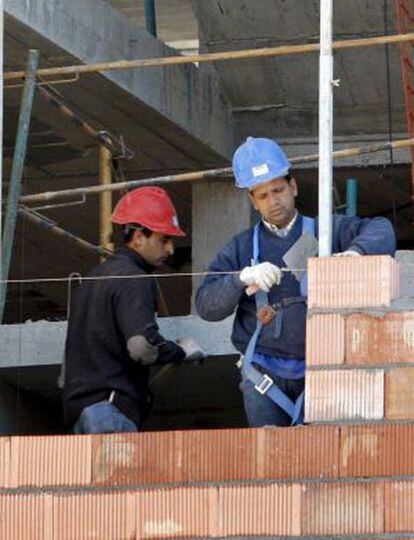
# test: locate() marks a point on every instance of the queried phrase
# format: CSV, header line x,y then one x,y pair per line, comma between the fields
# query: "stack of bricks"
x,y
360,350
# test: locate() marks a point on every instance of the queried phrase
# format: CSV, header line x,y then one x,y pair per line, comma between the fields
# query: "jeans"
x,y
261,410
103,417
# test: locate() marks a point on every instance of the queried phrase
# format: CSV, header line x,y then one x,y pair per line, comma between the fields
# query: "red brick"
x,y
377,450
348,282
218,455
176,513
50,461
270,510
299,452
380,340
4,462
136,458
214,455
399,507
339,509
93,515
325,340
399,402
26,517
344,395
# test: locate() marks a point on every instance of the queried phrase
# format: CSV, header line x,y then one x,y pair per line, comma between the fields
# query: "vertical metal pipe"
x,y
325,129
351,197
151,17
105,199
1,121
19,158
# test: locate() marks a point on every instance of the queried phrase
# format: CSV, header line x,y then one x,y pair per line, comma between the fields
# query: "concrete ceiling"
x,y
279,96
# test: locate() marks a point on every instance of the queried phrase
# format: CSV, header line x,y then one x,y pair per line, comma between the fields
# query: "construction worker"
x,y
113,337
269,326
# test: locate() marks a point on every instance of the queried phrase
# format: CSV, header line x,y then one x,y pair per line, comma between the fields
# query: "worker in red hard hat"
x,y
113,337
149,209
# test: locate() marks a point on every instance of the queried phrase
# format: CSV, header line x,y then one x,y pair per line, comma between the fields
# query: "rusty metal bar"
x,y
110,141
204,175
210,57
105,199
49,225
405,22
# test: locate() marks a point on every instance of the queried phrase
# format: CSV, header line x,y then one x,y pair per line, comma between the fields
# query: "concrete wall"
x,y
93,31
42,343
219,211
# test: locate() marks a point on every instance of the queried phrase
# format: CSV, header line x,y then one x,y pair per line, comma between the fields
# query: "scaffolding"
x,y
113,147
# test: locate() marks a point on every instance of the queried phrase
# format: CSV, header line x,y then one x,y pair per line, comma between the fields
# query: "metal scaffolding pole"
x,y
47,224
325,129
211,174
209,57
19,159
105,199
151,17
1,124
114,144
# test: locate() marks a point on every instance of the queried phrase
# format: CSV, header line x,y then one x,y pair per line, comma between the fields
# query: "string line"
x,y
134,276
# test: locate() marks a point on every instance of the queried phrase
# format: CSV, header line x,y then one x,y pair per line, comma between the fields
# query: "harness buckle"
x,y
266,313
264,385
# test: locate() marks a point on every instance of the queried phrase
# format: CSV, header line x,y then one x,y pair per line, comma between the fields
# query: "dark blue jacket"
x,y
220,295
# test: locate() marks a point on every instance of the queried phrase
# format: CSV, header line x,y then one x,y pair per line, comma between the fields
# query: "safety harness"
x,y
262,382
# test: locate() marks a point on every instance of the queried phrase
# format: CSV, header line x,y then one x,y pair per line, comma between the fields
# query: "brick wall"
x,y
313,481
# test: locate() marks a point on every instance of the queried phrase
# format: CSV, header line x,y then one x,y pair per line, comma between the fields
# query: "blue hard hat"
x,y
258,160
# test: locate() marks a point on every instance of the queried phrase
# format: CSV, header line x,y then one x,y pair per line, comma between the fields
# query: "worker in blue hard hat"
x,y
266,283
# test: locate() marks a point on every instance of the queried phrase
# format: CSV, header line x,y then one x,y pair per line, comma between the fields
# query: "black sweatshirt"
x,y
105,315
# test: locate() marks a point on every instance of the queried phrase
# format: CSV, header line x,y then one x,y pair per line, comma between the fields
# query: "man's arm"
x,y
365,236
135,307
219,295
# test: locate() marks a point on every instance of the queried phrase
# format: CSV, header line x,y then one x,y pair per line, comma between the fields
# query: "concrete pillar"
x,y
219,211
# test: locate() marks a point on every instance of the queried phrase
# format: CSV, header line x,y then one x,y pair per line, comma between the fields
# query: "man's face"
x,y
275,200
154,249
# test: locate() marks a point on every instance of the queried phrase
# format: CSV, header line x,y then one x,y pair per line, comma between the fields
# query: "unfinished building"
x,y
169,124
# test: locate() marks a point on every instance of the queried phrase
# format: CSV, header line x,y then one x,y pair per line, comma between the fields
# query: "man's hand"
x,y
263,275
348,253
194,353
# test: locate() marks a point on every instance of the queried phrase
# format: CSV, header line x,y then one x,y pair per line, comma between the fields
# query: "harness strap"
x,y
262,382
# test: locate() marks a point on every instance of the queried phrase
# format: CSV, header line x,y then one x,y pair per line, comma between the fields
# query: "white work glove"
x,y
194,353
263,276
348,253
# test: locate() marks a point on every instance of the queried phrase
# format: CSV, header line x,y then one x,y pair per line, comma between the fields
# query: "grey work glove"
x,y
194,354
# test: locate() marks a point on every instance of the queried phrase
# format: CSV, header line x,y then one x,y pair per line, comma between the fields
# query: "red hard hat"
x,y
150,207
